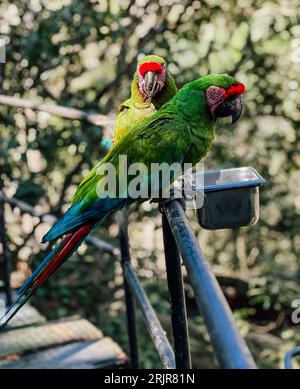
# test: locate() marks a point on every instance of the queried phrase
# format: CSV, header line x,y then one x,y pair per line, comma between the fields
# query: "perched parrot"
x,y
181,131
152,86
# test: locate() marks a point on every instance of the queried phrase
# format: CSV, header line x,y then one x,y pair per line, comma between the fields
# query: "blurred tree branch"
x,y
58,110
46,217
67,182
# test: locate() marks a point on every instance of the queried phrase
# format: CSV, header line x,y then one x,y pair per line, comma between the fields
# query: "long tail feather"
x,y
61,252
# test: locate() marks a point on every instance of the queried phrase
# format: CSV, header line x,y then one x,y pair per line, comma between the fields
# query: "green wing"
x,y
159,138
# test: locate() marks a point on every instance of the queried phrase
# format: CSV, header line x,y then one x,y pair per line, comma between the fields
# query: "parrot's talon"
x,y
164,201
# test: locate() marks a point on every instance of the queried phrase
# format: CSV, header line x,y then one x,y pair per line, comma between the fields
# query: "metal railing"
x,y
181,246
3,242
289,356
180,242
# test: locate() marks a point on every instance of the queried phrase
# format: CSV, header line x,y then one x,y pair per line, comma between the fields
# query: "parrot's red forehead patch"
x,y
150,67
237,89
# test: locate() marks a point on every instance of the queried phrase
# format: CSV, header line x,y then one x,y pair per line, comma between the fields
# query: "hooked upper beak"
x,y
151,84
232,107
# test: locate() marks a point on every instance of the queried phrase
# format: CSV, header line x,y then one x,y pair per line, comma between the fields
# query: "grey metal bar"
x,y
129,299
3,240
288,358
177,299
157,334
230,348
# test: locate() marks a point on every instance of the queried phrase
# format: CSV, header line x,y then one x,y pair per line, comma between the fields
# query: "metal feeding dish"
x,y
231,198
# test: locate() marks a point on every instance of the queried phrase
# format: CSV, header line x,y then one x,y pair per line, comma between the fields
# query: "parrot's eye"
x,y
213,90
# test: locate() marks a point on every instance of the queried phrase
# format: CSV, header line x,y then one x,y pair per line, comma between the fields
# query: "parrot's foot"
x,y
164,201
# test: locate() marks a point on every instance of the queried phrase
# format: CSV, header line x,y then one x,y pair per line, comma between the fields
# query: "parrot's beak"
x,y
231,107
152,84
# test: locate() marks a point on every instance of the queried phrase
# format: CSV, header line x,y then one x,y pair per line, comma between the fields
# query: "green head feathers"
x,y
211,96
219,80
151,58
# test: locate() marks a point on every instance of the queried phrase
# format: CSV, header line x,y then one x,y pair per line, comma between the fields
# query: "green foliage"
x,y
83,54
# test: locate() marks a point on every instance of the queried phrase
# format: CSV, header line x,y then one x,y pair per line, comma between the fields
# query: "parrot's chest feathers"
x,y
142,110
198,150
202,140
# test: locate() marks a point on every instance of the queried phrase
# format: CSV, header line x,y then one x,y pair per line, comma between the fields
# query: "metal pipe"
x,y
177,299
129,300
230,348
7,288
3,240
157,334
288,358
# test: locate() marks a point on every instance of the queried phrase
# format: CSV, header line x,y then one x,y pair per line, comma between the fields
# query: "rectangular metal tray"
x,y
231,198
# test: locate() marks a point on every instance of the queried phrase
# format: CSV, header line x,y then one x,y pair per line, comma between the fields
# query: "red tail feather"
x,y
68,244
55,258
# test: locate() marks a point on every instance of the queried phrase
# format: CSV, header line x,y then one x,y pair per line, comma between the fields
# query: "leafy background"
x,y
83,54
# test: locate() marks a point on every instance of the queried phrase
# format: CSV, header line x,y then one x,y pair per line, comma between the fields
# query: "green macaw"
x,y
152,86
181,131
